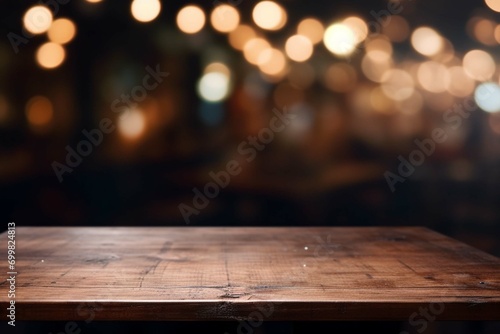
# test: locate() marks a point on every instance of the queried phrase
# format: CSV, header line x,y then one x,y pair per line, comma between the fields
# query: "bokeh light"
x,y
312,29
493,4
39,111
37,19
190,19
62,31
433,77
145,10
426,41
213,87
375,67
50,55
132,124
396,29
487,96
240,36
397,84
219,68
253,48
461,85
298,48
340,39
269,15
271,62
225,18
479,65
358,26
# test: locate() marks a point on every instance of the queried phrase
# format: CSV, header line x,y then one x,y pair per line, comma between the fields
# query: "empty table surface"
x,y
214,273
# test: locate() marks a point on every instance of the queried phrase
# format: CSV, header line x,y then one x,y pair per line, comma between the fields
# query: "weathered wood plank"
x,y
191,273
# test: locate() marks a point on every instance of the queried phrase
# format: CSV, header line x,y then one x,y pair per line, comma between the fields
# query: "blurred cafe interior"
x,y
252,113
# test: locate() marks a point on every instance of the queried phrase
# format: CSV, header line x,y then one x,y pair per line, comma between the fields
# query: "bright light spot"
x,y
50,55
225,18
299,48
39,111
218,68
340,39
132,124
94,1
358,26
341,78
271,61
269,15
461,85
493,4
487,96
191,19
239,36
375,67
253,48
213,87
312,29
145,10
397,84
426,41
37,19
433,77
379,49
479,65
62,31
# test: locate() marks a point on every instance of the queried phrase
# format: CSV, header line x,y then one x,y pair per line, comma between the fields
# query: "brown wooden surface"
x,y
248,273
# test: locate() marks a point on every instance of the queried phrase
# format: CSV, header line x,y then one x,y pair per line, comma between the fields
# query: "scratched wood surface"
x,y
336,273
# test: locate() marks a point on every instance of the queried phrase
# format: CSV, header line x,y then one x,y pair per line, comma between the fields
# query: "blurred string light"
x,y
433,77
225,18
397,84
340,39
240,36
132,124
50,55
271,62
298,48
269,15
493,4
190,19
483,30
253,49
37,19
375,67
218,67
426,41
379,48
62,31
479,65
487,96
311,28
39,111
93,1
145,10
357,26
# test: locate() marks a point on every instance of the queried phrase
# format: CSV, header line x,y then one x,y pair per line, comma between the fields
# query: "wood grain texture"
x,y
337,273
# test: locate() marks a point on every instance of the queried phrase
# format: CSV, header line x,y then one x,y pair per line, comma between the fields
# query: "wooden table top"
x,y
213,273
